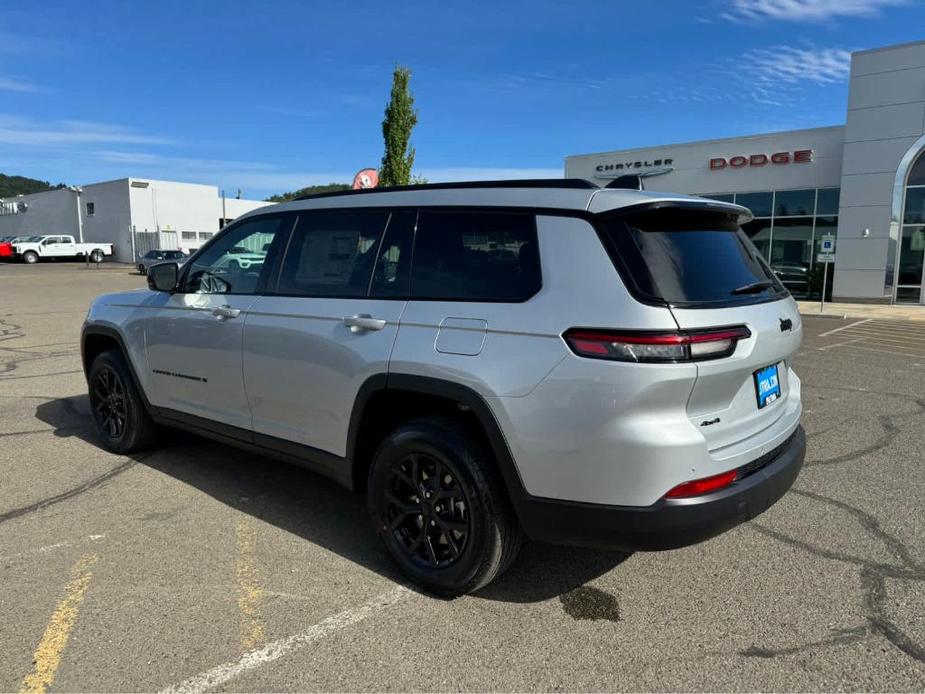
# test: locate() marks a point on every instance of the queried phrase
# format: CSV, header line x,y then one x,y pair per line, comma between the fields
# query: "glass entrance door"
x,y
910,278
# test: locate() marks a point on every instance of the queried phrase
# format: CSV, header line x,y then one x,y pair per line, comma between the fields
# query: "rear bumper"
x,y
668,523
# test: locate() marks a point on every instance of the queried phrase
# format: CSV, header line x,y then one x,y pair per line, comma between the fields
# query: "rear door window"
x,y
332,253
689,258
475,256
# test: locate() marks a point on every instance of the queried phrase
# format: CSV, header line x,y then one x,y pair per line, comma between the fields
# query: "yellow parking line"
x,y
47,654
250,591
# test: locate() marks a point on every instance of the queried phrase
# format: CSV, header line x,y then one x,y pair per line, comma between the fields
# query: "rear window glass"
x,y
683,258
475,256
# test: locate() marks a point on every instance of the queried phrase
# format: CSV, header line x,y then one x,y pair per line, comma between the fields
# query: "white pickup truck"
x,y
37,247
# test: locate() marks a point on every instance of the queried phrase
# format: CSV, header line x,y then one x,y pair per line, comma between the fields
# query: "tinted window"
x,y
759,231
794,202
683,258
332,253
827,201
758,203
392,274
917,174
475,256
234,262
915,206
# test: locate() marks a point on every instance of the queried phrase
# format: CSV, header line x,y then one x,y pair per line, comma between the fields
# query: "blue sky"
x,y
274,95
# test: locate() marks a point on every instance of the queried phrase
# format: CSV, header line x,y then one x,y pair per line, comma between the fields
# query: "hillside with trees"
x,y
308,190
11,186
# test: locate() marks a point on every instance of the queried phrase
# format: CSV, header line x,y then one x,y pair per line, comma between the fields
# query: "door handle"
x,y
363,321
225,312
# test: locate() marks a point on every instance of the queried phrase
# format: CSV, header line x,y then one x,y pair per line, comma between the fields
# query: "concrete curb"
x,y
876,311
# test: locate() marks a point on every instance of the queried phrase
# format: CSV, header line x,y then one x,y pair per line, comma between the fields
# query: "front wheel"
x,y
118,410
30,257
440,508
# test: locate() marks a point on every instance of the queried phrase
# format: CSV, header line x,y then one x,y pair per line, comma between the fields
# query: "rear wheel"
x,y
96,256
440,508
118,410
30,257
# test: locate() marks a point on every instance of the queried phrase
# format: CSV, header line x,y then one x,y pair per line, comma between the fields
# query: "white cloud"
x,y
787,65
259,178
25,132
805,10
11,85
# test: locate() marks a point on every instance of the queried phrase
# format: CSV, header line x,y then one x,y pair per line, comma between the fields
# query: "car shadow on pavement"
x,y
319,510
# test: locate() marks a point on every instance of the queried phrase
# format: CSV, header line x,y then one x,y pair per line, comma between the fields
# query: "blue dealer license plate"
x,y
767,385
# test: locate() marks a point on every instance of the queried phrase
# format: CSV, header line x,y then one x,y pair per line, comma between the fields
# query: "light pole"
x,y
80,224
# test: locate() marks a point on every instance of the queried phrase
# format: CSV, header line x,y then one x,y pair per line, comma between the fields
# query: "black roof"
x,y
571,183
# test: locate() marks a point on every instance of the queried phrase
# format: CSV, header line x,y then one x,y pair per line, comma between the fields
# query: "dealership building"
x,y
134,214
862,182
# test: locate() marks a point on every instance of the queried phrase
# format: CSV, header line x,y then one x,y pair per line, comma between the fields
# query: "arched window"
x,y
912,239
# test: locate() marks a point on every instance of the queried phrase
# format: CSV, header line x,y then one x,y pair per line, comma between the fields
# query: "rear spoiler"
x,y
687,203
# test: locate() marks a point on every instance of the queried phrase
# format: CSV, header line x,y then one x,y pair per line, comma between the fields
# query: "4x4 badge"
x,y
786,324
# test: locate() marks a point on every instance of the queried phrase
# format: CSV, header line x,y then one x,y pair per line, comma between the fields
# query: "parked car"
x,y
36,248
622,378
794,276
158,256
6,246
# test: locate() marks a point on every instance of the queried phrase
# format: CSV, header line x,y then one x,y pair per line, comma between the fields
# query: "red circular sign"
x,y
366,178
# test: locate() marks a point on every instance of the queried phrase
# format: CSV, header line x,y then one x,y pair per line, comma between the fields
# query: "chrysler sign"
x,y
643,168
798,156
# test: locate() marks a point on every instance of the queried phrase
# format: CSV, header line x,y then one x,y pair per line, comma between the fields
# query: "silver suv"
x,y
486,361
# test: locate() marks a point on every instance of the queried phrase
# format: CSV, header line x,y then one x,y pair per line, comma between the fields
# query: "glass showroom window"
x,y
788,230
912,243
792,252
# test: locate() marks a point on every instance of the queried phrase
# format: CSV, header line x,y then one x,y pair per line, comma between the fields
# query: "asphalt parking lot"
x,y
198,567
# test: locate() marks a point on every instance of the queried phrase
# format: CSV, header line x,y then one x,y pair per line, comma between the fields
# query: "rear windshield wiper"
x,y
753,288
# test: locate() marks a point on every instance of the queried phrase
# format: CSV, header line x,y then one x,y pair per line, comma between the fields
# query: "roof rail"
x,y
571,183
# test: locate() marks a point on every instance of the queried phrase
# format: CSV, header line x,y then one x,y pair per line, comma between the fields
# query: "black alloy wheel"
x,y
109,403
427,511
439,506
117,406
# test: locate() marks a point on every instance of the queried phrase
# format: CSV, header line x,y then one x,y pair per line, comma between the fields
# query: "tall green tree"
x,y
400,119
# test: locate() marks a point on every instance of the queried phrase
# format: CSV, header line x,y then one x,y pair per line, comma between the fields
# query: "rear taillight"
x,y
702,486
655,346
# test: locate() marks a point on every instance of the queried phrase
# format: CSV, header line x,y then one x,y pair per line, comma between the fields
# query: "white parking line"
x,y
886,351
845,327
839,344
50,548
275,650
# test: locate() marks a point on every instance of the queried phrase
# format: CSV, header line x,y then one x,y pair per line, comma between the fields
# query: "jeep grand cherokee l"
x,y
485,361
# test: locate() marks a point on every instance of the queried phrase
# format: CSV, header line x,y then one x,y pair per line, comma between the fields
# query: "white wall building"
x,y
139,212
864,181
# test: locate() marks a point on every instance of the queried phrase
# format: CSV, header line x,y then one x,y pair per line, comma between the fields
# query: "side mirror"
x,y
163,277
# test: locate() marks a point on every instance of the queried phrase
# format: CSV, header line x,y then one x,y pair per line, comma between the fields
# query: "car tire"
x,y
440,507
118,410
96,256
30,257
